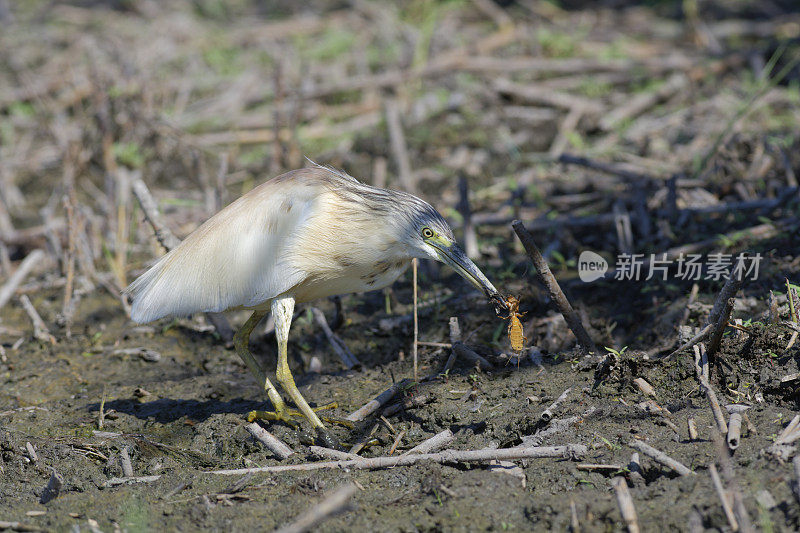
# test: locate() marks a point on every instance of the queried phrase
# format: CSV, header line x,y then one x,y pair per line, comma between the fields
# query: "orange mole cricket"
x,y
515,333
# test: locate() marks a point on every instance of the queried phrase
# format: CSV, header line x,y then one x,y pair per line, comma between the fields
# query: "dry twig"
x,y
333,503
661,457
625,503
348,359
569,451
40,330
378,402
556,294
273,444
547,414
25,267
438,441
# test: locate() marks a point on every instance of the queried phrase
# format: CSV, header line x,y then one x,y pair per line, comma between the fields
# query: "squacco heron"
x,y
304,235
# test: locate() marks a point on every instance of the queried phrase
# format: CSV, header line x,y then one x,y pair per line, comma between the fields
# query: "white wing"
x,y
237,258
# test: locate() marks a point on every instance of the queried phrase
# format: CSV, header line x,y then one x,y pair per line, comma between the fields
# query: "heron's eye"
x,y
427,233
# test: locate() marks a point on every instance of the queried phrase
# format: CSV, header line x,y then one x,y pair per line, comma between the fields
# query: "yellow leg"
x,y
282,311
241,341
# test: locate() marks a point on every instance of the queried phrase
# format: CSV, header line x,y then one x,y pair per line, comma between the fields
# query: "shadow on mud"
x,y
165,410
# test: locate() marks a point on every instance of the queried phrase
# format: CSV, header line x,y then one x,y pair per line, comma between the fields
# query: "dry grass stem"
x,y
40,331
333,502
27,265
547,414
724,497
569,451
662,458
625,503
272,443
378,402
547,278
437,442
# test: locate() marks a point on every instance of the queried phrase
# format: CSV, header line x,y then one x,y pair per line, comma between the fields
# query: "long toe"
x,y
273,416
338,421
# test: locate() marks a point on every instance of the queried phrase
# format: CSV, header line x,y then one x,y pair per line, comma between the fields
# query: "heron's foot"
x,y
280,414
330,419
291,416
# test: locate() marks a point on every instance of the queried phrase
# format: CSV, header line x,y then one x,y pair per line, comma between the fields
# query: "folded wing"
x,y
240,257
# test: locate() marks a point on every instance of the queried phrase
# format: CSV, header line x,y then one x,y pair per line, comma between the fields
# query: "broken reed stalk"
x,y
117,481
556,294
734,431
125,462
719,329
724,459
692,428
625,503
719,416
40,331
397,441
569,451
547,414
636,474
339,347
723,497
470,355
608,168
69,259
575,525
700,361
464,209
15,280
593,467
438,441
455,336
332,503
163,235
31,452
53,487
408,402
270,441
329,453
397,140
662,458
377,402
728,292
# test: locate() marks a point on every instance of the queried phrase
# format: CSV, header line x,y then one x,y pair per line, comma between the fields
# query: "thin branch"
x,y
40,330
378,402
556,294
547,414
625,503
272,443
661,457
348,359
334,502
440,440
569,451
9,288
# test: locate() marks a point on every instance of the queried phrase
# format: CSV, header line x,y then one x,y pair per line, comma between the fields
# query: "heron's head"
x,y
428,235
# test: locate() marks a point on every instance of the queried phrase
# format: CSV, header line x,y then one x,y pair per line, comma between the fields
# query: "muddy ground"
x,y
174,395
195,397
